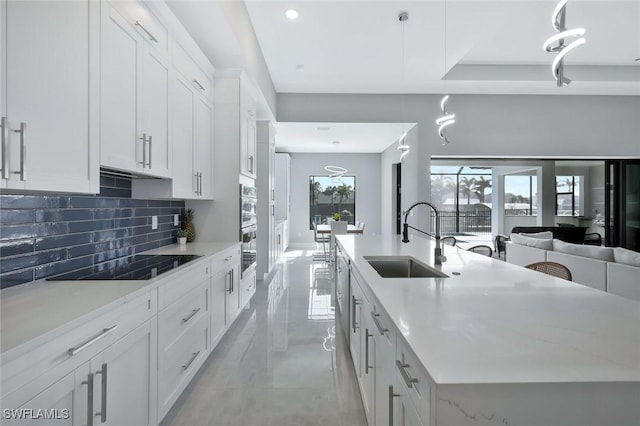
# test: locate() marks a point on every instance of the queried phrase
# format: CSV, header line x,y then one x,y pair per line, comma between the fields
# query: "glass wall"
x,y
520,195
463,197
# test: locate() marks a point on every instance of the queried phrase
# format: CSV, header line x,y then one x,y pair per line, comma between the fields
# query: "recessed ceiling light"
x,y
335,142
291,14
323,128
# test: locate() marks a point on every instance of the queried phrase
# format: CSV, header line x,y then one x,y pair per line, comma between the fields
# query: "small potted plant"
x,y
336,217
182,236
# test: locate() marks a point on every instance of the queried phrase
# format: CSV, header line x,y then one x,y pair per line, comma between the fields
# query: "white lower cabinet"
x,y
101,372
394,387
225,289
247,288
183,335
124,383
360,343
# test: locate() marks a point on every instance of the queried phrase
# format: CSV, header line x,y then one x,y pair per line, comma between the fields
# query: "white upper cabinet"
x,y
134,83
191,134
248,106
49,96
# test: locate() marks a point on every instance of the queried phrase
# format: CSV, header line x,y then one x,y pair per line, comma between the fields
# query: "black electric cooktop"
x,y
136,267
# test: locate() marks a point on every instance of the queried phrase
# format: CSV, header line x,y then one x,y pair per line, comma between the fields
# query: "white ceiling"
x,y
480,46
453,46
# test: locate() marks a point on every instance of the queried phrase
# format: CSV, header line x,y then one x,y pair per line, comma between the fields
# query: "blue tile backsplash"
x,y
45,235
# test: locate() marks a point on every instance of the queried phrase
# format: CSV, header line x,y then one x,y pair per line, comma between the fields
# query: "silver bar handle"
x,y
23,151
150,149
377,323
407,379
151,37
144,150
233,280
199,183
191,315
3,147
251,164
89,384
193,358
197,83
366,351
91,341
230,290
103,396
354,303
391,396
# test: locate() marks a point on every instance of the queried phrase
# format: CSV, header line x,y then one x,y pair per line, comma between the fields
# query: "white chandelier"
x,y
556,43
335,172
447,119
402,147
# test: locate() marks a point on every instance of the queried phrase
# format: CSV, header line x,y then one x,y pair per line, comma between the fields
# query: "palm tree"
x,y
480,186
441,186
330,191
344,191
315,189
466,185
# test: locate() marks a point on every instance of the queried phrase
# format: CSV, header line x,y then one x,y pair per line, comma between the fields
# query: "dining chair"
x,y
450,241
482,249
358,223
551,268
337,228
321,239
499,244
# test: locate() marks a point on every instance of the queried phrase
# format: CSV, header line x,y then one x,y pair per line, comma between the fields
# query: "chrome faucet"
x,y
438,255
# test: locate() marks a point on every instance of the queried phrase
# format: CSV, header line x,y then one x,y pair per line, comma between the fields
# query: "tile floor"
x,y
283,362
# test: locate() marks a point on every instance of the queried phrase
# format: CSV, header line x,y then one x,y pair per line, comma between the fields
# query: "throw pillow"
x,y
594,252
524,240
545,235
626,256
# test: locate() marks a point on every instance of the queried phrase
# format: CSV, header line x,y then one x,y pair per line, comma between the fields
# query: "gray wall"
x,y
491,126
366,169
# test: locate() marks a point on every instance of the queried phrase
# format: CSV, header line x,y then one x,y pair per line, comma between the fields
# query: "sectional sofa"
x,y
612,269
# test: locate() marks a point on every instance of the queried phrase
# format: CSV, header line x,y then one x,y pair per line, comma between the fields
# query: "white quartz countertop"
x,y
500,323
34,310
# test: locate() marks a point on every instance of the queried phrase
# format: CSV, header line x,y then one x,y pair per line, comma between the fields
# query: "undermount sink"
x,y
402,267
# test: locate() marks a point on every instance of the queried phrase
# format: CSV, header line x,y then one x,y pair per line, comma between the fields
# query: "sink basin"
x,y
402,267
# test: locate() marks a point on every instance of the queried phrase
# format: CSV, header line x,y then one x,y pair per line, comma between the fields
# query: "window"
x,y
568,202
520,193
328,196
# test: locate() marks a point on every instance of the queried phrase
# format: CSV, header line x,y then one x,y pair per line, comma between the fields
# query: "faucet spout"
x,y
438,257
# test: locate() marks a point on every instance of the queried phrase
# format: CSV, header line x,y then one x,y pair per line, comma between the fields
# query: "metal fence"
x,y
471,221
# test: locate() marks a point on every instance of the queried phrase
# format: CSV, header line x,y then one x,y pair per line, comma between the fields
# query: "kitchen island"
x,y
496,343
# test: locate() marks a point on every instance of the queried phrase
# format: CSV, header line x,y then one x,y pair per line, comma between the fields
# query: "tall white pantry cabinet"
x,y
49,92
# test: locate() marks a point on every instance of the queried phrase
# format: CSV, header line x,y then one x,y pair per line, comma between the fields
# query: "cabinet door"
x,y
233,294
66,401
183,114
51,87
204,147
407,414
385,369
125,390
355,341
219,286
155,112
120,85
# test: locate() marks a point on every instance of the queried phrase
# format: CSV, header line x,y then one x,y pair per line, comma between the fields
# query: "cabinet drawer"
x,y
178,365
247,289
198,78
178,317
413,375
79,344
223,260
145,23
182,282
